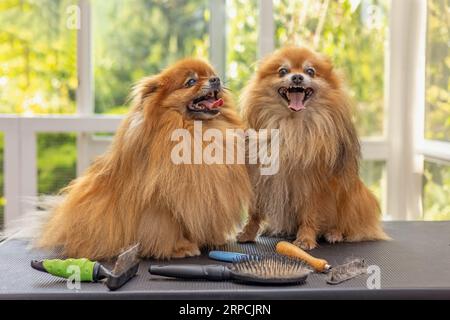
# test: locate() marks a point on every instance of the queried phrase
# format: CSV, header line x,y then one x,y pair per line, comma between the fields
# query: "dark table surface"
x,y
415,264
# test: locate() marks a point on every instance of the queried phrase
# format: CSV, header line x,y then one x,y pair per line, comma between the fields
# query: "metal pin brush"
x,y
271,269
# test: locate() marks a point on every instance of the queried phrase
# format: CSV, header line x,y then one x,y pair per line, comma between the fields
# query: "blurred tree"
x,y
242,39
437,116
135,38
56,161
436,191
37,57
436,200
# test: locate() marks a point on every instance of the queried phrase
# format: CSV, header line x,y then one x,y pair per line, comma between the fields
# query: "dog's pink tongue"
x,y
296,100
212,104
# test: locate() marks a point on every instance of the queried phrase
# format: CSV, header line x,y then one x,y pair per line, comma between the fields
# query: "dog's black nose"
x,y
297,78
214,80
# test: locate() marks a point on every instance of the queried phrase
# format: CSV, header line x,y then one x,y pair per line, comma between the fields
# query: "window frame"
x,y
403,146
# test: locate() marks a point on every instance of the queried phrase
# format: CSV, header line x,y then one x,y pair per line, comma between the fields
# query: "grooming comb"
x,y
336,274
346,271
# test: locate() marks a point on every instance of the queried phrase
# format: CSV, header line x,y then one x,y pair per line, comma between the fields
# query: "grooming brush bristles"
x,y
270,266
126,259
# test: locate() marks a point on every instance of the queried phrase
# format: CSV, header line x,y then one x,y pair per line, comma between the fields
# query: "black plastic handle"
x,y
192,271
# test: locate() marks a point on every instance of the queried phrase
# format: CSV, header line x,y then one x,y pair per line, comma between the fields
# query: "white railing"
x,y
20,154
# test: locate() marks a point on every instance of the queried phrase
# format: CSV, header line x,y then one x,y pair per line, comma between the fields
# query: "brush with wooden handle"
x,y
288,249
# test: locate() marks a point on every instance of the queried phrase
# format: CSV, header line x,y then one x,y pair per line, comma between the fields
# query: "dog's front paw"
x,y
186,249
306,243
334,236
244,237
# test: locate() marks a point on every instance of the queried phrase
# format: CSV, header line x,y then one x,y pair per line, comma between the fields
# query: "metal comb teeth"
x,y
126,259
346,271
271,266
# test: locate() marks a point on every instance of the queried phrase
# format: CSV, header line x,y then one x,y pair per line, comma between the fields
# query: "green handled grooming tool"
x,y
125,268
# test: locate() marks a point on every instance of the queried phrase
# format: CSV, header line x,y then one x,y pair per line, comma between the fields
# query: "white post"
x,y
266,39
416,118
28,166
217,36
11,169
85,90
406,103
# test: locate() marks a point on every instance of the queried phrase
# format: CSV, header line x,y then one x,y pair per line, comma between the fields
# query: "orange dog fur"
x,y
134,193
317,190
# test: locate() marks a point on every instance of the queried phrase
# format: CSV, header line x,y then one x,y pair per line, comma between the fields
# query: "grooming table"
x,y
416,264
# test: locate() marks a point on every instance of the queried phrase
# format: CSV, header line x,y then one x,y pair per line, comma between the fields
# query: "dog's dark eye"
x,y
191,82
283,71
310,71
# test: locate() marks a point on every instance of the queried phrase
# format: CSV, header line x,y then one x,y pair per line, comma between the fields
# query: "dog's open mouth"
x,y
209,103
296,97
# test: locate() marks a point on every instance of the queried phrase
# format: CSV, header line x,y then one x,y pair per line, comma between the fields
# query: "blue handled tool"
x,y
226,256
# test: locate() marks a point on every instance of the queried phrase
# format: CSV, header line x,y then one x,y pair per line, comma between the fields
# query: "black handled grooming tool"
x,y
269,269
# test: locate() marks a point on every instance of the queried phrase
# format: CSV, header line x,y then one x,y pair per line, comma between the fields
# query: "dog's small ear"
x,y
146,87
143,89
328,62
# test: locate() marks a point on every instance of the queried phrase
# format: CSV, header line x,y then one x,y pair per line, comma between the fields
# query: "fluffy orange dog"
x,y
317,190
135,193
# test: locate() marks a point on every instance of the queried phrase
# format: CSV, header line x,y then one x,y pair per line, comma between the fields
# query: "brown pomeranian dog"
x,y
135,193
317,191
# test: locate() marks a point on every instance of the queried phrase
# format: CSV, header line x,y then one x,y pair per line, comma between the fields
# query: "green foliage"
x,y
136,38
56,161
374,176
436,191
242,38
437,124
37,57
436,201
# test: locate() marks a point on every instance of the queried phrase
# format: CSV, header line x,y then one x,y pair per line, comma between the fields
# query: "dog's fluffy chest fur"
x,y
302,155
317,190
208,198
